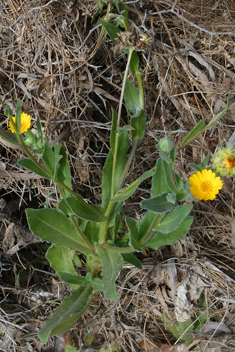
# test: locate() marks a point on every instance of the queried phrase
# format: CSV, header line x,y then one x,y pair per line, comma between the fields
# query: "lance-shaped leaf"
x,y
9,137
138,124
123,145
159,239
65,168
54,227
48,158
132,99
158,204
66,316
163,181
130,258
172,221
71,205
61,259
112,30
112,264
73,279
133,233
28,164
193,133
127,192
134,64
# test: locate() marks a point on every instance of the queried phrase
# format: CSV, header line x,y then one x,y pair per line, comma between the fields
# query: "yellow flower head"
x,y
205,185
25,123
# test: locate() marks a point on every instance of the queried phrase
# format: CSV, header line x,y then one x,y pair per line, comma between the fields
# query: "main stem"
x,y
104,226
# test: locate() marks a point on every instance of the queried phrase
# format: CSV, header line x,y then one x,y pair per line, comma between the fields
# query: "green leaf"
x,y
123,145
171,198
158,204
204,162
146,224
130,258
172,221
7,111
58,174
133,233
163,181
53,226
40,133
66,316
193,133
92,231
132,99
9,137
134,64
61,259
194,166
72,205
31,166
65,168
159,239
127,192
73,279
48,158
112,30
71,349
98,284
138,123
112,264
219,116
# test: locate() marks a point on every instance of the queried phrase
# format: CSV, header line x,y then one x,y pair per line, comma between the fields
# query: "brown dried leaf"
x,y
17,237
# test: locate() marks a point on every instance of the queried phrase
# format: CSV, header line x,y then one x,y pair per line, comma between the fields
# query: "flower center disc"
x,y
206,187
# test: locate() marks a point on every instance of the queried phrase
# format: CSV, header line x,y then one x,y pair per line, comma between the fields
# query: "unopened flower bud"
x,y
166,145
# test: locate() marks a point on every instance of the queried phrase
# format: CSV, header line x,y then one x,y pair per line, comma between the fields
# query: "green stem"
x,y
104,225
151,232
118,122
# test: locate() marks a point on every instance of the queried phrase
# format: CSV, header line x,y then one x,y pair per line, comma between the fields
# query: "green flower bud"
x,y
224,162
166,145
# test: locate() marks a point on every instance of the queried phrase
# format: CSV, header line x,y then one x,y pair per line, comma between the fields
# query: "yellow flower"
x,y
205,185
25,123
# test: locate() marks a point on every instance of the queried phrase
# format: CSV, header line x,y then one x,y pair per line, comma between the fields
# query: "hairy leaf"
x,y
66,316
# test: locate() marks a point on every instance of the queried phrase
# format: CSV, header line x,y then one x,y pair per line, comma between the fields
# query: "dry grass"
x,y
53,59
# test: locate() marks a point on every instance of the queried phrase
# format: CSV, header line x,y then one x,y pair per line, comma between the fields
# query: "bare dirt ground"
x,y
52,59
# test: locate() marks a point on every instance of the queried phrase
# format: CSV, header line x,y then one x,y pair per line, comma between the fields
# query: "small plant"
x,y
99,232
